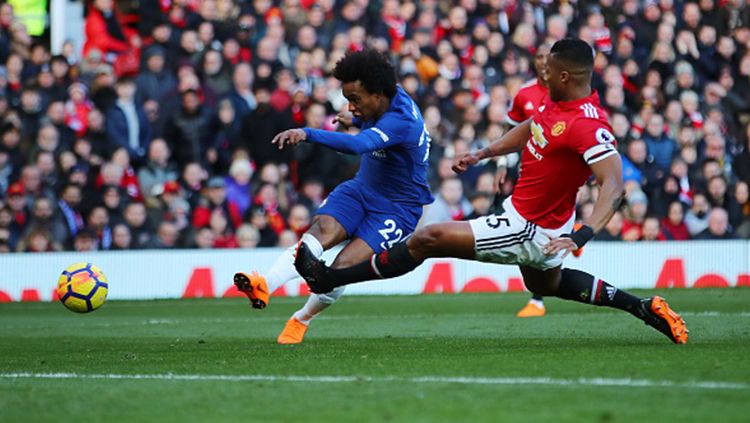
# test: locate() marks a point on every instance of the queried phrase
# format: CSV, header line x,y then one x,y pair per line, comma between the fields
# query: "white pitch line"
x,y
626,383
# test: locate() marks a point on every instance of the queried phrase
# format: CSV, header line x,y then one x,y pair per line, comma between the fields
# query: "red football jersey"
x,y
566,138
526,102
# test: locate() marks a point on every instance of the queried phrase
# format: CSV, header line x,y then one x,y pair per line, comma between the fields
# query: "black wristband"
x,y
582,235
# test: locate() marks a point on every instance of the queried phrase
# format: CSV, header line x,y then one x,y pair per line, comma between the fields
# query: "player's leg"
x,y
324,233
356,251
334,222
576,285
450,239
535,307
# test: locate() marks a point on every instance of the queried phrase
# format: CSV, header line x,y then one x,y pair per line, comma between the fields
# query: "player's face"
x,y
540,61
557,78
362,104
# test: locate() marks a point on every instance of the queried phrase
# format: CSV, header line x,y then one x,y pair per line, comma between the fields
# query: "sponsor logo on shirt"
x,y
537,135
380,154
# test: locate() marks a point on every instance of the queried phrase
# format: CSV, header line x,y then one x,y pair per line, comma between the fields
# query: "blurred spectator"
x,y
673,225
85,241
154,81
238,187
186,130
204,238
287,238
136,219
105,33
158,170
740,216
635,214
121,237
651,230
222,134
127,124
38,240
98,224
450,204
612,231
718,226
69,220
248,236
696,218
260,126
299,219
166,237
215,201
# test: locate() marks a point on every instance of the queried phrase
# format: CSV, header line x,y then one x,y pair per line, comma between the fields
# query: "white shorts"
x,y
511,239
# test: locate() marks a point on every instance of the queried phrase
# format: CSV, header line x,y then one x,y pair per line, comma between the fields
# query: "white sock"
x,y
317,303
312,307
283,271
538,303
315,246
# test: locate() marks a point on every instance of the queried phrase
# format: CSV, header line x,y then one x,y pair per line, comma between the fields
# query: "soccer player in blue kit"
x,y
376,209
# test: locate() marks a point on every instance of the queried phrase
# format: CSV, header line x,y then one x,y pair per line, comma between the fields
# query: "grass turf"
x,y
576,364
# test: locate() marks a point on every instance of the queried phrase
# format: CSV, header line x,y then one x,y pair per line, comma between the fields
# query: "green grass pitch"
x,y
457,358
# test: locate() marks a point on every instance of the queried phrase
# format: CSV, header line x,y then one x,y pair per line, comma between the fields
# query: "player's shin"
x,y
282,270
390,263
317,303
583,287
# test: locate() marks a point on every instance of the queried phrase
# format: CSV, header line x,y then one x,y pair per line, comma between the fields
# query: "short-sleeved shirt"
x,y
566,138
527,101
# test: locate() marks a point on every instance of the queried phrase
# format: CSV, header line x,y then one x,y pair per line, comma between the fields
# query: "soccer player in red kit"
x,y
561,147
532,95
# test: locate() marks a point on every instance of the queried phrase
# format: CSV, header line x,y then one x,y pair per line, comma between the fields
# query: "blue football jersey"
x,y
395,152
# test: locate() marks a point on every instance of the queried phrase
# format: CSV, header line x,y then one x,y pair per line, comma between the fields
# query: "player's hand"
x,y
555,245
462,163
500,175
290,137
346,119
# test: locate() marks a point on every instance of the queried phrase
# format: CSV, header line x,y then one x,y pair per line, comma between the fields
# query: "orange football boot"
x,y
657,314
293,333
531,310
254,286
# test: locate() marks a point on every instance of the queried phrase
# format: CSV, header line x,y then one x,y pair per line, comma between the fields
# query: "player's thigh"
x,y
327,230
340,215
448,239
356,251
507,239
386,224
542,282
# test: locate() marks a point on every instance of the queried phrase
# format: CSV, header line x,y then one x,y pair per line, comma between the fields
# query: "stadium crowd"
x,y
156,133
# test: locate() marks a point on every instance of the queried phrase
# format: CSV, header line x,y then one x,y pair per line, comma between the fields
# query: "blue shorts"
x,y
380,222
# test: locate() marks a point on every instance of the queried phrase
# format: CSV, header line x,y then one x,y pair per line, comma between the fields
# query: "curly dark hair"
x,y
369,67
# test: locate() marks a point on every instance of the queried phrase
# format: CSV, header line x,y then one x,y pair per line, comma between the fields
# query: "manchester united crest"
x,y
558,128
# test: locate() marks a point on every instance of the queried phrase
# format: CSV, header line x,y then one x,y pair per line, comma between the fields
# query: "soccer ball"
x,y
82,287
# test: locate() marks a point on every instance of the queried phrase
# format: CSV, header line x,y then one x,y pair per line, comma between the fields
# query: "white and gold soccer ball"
x,y
82,287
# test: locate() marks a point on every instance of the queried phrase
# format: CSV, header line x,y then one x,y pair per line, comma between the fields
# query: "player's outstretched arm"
x,y
370,139
511,142
608,173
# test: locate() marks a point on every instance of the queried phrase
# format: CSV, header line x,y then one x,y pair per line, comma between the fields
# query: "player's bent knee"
x,y
428,239
331,297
